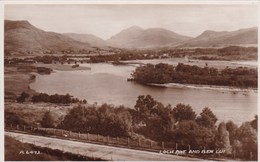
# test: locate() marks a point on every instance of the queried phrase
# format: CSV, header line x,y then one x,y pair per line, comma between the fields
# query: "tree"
x,y
159,123
232,129
188,132
84,101
248,136
13,118
222,138
184,131
207,118
145,106
22,97
254,122
183,112
47,120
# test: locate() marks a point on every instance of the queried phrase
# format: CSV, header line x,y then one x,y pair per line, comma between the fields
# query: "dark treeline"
x,y
46,59
186,74
56,98
226,53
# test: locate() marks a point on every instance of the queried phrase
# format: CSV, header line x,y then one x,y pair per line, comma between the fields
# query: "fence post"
x,y
139,142
24,128
176,146
79,134
17,127
128,141
163,145
189,147
69,133
61,132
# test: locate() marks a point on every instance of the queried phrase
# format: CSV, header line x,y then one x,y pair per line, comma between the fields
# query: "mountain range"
x,y
23,36
136,37
210,38
91,39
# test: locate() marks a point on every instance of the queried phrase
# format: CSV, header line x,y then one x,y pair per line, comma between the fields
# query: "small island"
x,y
240,77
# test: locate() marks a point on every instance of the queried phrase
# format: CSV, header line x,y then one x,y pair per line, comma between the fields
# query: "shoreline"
x,y
204,87
219,64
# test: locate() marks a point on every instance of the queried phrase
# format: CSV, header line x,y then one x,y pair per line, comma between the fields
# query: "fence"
x,y
140,144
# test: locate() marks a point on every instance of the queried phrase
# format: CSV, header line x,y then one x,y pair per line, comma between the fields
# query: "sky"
x,y
106,20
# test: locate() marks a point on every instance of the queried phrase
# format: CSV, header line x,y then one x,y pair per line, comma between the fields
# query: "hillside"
x,y
242,37
20,37
91,39
136,37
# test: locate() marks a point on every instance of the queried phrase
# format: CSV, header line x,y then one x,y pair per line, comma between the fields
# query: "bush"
x,y
47,120
22,97
104,120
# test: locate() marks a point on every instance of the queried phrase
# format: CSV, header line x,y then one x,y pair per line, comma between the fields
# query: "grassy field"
x,y
32,113
16,81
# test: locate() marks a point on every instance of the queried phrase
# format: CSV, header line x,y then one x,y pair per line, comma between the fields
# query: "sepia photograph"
x,y
132,81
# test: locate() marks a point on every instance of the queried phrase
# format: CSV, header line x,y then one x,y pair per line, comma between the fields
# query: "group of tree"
x,y
186,74
22,97
43,70
56,98
179,124
103,120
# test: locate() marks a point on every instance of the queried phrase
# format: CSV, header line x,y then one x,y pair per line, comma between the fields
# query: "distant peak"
x,y
11,24
135,27
18,21
209,32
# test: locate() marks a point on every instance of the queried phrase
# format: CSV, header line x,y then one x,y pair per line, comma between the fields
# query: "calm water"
x,y
106,83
